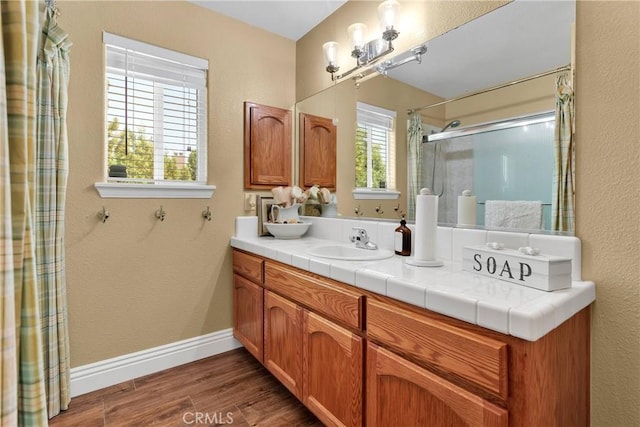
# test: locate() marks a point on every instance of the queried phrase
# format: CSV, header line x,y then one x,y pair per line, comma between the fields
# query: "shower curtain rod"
x,y
524,79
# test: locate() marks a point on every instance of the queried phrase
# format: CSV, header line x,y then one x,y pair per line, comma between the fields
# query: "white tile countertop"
x,y
495,304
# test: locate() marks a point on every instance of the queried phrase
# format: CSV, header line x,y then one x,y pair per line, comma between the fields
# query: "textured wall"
x,y
607,219
134,282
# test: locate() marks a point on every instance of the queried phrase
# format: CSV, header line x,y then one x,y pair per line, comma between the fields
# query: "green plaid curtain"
x,y
23,394
414,162
564,176
51,185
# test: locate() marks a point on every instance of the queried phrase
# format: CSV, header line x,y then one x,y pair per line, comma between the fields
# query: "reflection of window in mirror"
x,y
375,147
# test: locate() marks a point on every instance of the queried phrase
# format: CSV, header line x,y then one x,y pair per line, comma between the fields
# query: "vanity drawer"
x,y
248,266
476,358
318,294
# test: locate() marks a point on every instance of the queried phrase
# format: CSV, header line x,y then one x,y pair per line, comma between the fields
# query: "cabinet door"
x,y
267,147
283,341
332,367
318,139
404,394
247,314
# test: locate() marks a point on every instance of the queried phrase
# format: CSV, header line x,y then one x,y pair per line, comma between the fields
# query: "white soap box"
x,y
544,272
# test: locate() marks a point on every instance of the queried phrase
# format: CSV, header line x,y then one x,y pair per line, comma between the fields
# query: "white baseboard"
x,y
105,373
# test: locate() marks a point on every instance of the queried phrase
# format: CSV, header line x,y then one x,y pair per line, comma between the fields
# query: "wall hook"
x,y
103,215
379,210
358,212
399,211
161,214
206,214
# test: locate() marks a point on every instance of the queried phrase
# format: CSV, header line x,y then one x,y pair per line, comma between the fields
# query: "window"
x,y
156,114
375,147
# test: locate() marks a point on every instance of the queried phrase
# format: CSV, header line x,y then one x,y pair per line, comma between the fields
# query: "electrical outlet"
x,y
249,202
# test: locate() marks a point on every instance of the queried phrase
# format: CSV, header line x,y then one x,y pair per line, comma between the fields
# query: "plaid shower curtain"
x,y
21,369
414,162
564,177
51,184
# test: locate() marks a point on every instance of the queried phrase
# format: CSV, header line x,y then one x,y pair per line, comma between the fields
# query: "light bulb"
x,y
357,35
387,12
330,56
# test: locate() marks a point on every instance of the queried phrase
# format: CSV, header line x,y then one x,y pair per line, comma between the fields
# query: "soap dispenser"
x,y
402,239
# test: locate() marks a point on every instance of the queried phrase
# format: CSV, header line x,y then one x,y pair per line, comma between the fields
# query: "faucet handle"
x,y
361,239
359,235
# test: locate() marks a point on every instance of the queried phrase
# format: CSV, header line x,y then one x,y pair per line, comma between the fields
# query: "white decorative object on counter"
x,y
287,231
467,208
525,266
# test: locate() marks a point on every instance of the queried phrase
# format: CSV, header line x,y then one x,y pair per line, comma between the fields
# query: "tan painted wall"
x,y
607,197
522,99
134,282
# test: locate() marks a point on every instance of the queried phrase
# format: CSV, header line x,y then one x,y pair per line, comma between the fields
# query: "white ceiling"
x,y
289,18
520,39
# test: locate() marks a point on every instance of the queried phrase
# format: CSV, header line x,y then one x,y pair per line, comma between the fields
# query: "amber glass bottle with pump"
x,y
402,239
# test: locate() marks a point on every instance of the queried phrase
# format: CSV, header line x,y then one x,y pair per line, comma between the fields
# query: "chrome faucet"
x,y
361,239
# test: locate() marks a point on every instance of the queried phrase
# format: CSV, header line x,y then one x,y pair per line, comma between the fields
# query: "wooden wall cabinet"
x,y
267,147
318,149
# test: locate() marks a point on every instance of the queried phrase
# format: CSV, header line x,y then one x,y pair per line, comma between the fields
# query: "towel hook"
x,y
161,214
206,214
103,215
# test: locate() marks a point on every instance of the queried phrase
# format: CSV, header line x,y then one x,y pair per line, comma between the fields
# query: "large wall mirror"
x,y
488,125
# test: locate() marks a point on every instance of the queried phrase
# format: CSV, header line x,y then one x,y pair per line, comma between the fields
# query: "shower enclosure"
x,y
507,160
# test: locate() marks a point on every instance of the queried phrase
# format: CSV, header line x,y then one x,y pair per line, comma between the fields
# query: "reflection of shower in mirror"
x,y
493,160
451,124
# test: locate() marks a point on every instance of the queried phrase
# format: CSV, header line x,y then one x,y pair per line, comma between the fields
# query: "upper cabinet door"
x,y
267,146
318,136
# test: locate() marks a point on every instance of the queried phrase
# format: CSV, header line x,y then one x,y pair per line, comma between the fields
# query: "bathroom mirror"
x,y
475,56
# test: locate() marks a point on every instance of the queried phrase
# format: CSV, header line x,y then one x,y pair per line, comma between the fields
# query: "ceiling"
x,y
520,39
290,18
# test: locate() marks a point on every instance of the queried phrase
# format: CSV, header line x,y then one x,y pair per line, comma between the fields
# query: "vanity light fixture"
x,y
364,52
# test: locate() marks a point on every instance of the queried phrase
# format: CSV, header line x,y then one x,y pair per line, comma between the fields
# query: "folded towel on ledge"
x,y
513,214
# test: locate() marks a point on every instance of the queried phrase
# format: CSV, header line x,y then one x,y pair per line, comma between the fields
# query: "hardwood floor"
x,y
227,389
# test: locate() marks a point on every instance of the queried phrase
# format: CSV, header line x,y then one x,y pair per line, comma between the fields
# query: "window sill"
x,y
372,194
112,190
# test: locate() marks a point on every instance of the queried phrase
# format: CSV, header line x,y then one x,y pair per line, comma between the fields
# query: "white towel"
x,y
513,214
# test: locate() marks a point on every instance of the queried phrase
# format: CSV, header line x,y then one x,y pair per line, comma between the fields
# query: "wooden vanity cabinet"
x,y
330,355
402,393
357,358
473,376
332,371
283,341
248,302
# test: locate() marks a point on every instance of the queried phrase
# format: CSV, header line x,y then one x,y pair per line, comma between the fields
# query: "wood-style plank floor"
x,y
227,389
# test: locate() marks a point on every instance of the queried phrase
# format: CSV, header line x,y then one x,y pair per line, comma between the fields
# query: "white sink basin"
x,y
348,252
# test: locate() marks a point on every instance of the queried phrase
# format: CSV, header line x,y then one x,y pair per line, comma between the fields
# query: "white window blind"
x,y
156,113
374,140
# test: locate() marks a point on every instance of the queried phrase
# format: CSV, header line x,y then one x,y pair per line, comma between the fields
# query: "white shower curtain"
x,y
414,162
